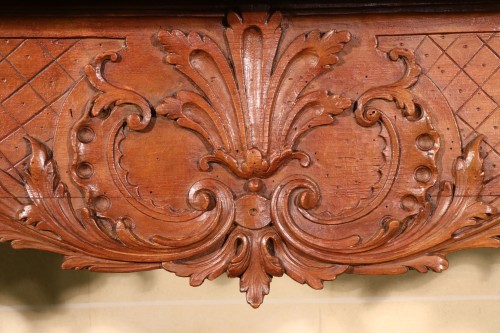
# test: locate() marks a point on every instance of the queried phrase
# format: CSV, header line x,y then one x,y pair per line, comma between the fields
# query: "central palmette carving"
x,y
252,108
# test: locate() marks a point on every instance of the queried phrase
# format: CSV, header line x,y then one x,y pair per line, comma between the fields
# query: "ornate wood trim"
x,y
260,200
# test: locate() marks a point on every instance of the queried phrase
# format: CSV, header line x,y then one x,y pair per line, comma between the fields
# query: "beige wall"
x,y
36,296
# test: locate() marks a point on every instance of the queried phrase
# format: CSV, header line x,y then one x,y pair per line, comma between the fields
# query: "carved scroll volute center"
x,y
253,211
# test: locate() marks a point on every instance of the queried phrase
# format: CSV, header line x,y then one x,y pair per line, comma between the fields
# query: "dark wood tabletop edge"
x,y
149,7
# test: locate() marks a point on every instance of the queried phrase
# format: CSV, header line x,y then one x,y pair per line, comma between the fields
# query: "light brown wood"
x,y
256,144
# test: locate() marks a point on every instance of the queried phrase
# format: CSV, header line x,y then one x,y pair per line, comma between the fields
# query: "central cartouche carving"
x,y
252,108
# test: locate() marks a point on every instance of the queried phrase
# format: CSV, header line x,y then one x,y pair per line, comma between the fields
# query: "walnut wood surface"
x,y
258,145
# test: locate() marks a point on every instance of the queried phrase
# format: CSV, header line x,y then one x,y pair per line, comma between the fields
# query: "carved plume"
x,y
252,107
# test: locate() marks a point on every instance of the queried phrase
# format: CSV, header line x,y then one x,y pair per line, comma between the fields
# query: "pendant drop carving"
x,y
226,174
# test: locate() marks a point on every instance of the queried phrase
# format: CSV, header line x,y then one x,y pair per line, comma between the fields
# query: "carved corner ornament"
x,y
253,104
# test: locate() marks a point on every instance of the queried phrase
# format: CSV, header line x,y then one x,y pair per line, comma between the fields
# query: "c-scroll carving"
x,y
50,222
420,242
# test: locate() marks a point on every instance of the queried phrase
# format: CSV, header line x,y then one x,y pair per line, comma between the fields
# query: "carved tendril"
x,y
114,97
395,92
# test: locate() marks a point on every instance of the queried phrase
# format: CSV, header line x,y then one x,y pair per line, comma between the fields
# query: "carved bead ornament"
x,y
255,164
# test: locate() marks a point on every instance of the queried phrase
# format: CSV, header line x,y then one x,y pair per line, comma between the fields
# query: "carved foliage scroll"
x,y
251,104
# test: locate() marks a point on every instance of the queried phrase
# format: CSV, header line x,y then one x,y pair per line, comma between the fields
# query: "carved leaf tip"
x,y
170,106
272,19
471,155
112,97
94,71
29,214
413,70
40,154
256,287
233,19
327,44
396,92
42,177
468,169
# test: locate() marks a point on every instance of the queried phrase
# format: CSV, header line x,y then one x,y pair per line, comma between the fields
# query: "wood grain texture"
x,y
256,146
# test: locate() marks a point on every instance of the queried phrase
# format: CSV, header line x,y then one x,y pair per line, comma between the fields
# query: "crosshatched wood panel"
x,y
255,144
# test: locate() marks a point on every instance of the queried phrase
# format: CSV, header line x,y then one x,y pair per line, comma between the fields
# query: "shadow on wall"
x,y
35,277
481,260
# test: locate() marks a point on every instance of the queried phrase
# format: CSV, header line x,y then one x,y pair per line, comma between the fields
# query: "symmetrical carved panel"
x,y
255,148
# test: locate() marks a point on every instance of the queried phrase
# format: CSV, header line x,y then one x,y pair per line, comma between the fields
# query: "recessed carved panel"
x,y
255,146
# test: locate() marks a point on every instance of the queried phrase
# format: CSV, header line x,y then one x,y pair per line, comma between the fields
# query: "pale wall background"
x,y
36,296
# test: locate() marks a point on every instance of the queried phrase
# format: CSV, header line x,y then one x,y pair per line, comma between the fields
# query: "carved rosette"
x,y
251,104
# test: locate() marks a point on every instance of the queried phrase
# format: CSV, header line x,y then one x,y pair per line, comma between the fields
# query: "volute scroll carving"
x,y
244,196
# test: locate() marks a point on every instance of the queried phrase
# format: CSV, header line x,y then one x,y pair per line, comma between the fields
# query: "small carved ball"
x,y
409,202
102,203
254,185
425,142
84,170
85,134
423,174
